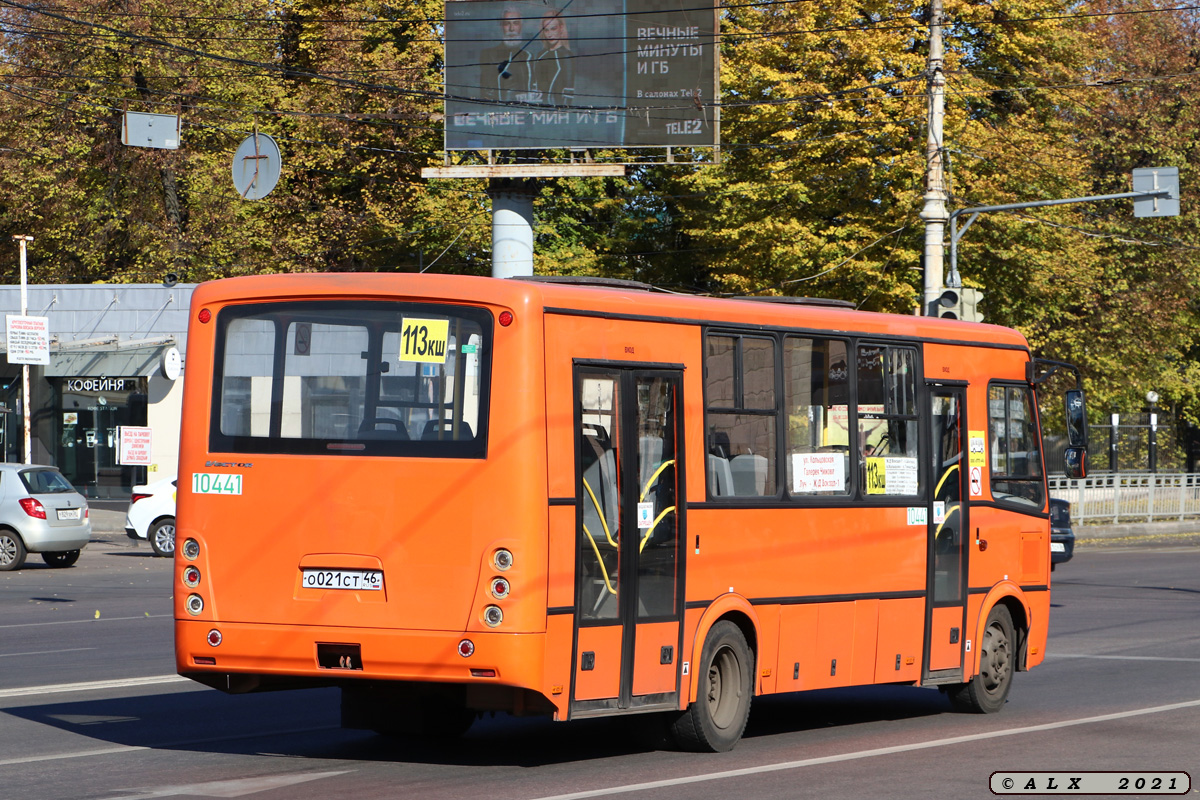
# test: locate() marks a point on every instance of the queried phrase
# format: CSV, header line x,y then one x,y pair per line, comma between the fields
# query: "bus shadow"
x,y
305,724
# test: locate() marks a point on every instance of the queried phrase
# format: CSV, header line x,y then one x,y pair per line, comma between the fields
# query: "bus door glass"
x,y
628,593
948,533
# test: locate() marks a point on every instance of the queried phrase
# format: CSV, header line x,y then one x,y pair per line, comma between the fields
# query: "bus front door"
x,y
629,536
949,529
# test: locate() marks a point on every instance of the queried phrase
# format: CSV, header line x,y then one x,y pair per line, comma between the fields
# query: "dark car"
x,y
1062,538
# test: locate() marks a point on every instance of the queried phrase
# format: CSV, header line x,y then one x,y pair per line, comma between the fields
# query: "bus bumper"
x,y
249,657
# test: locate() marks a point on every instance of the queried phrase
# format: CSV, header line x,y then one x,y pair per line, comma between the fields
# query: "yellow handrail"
x,y
945,475
653,525
599,560
599,513
654,477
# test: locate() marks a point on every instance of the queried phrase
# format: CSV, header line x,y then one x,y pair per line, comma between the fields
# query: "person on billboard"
x,y
506,72
554,70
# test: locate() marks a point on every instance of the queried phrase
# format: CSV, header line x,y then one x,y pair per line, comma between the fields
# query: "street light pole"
x,y
23,241
934,213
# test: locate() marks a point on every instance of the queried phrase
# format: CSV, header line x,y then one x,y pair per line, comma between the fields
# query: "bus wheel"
x,y
987,691
715,722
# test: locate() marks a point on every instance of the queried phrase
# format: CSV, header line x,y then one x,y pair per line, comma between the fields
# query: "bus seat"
x,y
749,475
718,444
720,478
382,428
445,427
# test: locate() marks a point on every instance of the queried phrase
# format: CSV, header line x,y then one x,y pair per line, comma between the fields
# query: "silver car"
x,y
40,512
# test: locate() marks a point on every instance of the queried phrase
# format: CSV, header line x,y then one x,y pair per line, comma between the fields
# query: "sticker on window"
x,y
818,472
892,475
424,340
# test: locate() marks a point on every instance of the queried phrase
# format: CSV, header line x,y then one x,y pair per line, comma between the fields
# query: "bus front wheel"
x,y
715,722
987,692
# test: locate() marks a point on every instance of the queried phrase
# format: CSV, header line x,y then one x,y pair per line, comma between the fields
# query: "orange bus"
x,y
448,495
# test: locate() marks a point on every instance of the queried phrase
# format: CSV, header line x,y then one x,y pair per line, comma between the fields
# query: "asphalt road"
x,y
90,708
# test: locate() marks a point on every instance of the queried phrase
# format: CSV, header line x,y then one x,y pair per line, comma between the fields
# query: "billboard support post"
x,y
23,241
512,226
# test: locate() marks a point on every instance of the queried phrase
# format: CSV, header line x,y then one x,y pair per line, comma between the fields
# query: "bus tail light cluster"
x,y
194,604
499,587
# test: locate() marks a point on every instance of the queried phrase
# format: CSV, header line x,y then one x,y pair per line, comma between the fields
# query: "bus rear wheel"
x,y
987,692
715,722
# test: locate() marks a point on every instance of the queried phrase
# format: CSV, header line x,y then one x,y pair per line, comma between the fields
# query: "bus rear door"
x,y
629,536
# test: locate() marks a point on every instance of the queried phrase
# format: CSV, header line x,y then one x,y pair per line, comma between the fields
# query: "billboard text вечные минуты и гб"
x,y
579,73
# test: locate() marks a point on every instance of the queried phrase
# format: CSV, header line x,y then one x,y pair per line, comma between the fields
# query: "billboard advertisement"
x,y
580,74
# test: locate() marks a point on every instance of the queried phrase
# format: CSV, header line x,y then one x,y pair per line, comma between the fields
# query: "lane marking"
x,y
236,787
89,619
124,748
880,751
120,683
129,748
1123,658
48,652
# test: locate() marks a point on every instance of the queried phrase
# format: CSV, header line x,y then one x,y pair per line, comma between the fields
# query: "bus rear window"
x,y
355,378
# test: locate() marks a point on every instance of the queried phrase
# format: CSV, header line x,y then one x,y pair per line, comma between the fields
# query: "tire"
x,y
12,551
61,559
162,537
987,692
715,722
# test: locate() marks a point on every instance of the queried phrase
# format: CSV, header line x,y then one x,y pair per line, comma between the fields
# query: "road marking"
x,y
48,652
236,787
880,751
1122,658
122,748
89,619
121,683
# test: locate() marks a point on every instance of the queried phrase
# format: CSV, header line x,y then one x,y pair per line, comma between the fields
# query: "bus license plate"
x,y
1058,547
354,579
69,513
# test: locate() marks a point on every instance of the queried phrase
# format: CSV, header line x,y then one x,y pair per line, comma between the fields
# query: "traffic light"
x,y
969,300
947,305
960,304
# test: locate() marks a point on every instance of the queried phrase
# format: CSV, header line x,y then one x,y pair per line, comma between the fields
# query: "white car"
x,y
151,515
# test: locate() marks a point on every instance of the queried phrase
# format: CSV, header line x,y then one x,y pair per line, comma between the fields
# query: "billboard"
x,y
580,74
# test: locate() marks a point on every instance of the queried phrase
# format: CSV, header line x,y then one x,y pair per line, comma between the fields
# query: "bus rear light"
x,y
483,673
191,577
503,559
506,319
466,648
194,604
500,588
214,637
493,616
205,315
191,549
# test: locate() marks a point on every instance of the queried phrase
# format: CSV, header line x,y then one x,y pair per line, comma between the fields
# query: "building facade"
x,y
111,353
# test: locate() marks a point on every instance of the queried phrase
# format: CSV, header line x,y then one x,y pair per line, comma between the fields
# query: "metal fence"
x,y
1130,496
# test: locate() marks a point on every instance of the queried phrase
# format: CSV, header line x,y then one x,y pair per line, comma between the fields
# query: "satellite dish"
x,y
256,166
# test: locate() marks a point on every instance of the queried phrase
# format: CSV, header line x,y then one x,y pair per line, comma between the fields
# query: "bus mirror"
x,y
1076,418
1075,462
